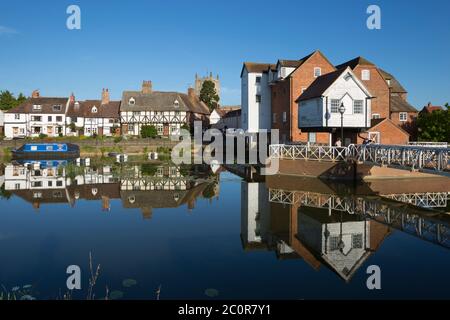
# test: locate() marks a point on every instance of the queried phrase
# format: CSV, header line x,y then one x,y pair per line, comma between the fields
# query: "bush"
x,y
148,132
42,136
117,139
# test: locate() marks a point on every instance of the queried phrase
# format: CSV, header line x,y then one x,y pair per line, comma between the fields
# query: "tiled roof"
x,y
394,85
253,67
400,105
47,106
85,109
354,62
289,63
318,87
155,101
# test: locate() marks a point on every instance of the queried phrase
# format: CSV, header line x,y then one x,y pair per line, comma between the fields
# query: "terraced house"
x,y
94,117
167,111
37,116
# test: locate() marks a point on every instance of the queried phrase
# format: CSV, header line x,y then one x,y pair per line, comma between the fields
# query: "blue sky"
x,y
122,43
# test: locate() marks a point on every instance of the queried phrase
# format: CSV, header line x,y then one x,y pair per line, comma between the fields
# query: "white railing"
x,y
308,152
400,217
408,157
428,144
402,156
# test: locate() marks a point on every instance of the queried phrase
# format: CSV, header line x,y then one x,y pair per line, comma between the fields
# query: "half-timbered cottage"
x,y
166,111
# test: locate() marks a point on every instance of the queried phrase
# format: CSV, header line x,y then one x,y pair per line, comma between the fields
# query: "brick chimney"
x,y
105,96
429,104
191,93
72,98
35,94
146,87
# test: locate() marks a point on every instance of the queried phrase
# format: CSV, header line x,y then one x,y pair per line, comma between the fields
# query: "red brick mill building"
x,y
391,117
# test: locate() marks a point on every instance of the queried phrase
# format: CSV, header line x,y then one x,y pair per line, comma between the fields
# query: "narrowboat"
x,y
47,151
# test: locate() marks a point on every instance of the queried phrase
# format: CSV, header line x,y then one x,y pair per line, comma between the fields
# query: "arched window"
x,y
176,104
94,109
132,101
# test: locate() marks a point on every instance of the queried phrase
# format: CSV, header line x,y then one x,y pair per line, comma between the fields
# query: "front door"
x,y
166,129
49,130
100,131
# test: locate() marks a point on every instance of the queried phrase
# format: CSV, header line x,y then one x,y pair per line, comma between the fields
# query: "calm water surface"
x,y
198,234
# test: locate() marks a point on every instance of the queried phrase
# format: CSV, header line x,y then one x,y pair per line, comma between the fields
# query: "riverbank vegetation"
x,y
434,126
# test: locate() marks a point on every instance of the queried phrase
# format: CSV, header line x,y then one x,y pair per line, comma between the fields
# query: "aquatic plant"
x,y
127,283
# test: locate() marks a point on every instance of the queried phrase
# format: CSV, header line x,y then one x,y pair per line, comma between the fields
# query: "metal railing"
x,y
406,157
426,225
428,144
308,152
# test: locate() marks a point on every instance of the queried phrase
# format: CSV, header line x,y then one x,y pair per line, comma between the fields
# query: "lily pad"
x,y
115,295
27,286
14,289
212,292
127,283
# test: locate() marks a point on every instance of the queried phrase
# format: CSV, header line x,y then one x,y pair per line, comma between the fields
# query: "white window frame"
x,y
365,75
256,98
374,134
37,107
17,116
335,109
403,116
317,72
376,116
256,80
359,111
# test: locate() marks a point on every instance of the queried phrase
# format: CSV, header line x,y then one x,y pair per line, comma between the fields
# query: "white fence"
x,y
424,158
308,152
428,144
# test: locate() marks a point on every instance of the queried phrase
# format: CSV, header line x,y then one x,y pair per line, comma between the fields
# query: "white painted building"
x,y
36,116
256,96
2,122
319,105
229,118
342,244
166,111
255,214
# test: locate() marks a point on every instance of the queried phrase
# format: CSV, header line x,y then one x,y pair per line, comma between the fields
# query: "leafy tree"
x,y
209,95
8,101
148,132
434,126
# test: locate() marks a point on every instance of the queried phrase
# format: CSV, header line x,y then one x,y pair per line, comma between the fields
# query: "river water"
x,y
168,232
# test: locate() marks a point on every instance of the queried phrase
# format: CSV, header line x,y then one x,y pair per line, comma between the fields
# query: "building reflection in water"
x,y
143,186
325,228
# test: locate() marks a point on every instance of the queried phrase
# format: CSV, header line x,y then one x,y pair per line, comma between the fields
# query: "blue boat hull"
x,y
72,151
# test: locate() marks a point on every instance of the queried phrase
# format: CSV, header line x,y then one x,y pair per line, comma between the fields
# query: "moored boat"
x,y
47,151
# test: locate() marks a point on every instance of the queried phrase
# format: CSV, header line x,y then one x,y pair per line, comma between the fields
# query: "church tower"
x,y
199,83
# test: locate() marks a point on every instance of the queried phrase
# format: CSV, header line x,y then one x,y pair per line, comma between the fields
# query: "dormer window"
x,y
37,107
176,104
57,107
94,109
388,82
317,72
132,101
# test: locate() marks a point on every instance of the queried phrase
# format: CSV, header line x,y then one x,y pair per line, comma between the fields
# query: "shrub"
x,y
42,136
148,132
117,139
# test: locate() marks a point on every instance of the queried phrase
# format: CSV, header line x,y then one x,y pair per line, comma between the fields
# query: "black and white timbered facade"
x,y
166,111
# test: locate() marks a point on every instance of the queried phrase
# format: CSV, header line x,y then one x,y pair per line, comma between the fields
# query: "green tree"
x,y
8,101
209,95
148,132
434,126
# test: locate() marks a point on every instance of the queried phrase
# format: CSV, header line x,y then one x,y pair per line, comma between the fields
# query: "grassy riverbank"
x,y
98,147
